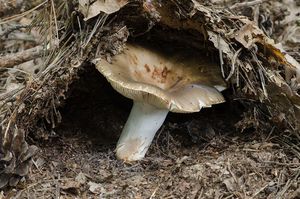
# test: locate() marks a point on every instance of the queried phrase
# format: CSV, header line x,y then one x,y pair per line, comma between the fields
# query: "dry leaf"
x,y
94,9
230,184
95,188
81,178
247,35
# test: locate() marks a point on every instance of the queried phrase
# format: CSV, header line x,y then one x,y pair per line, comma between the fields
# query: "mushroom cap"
x,y
181,80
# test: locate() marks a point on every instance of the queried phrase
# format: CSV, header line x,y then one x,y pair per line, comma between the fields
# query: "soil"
x,y
200,155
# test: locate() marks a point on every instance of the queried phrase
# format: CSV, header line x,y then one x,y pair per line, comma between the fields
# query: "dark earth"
x,y
221,152
200,155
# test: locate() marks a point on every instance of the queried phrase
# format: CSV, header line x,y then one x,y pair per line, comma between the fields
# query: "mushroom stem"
x,y
142,124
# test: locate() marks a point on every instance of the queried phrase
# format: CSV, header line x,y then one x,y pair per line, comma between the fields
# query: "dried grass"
x,y
255,68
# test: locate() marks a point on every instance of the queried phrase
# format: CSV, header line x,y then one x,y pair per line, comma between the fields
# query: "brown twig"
x,y
12,29
262,189
246,4
11,60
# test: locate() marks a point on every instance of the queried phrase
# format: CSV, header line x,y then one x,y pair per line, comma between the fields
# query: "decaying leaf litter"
x,y
255,67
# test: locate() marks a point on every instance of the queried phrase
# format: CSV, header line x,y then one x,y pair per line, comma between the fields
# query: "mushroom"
x,y
159,81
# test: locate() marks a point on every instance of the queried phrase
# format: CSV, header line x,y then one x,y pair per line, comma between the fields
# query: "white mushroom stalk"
x,y
142,124
159,82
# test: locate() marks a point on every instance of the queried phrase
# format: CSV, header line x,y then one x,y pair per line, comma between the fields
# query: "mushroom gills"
x,y
142,124
184,81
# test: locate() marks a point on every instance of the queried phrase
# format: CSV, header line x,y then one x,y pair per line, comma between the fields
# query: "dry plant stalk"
x,y
20,57
249,61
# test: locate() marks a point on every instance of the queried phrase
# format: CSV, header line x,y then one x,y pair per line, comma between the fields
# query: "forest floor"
x,y
200,155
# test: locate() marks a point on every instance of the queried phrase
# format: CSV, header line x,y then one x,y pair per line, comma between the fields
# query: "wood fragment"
x,y
11,60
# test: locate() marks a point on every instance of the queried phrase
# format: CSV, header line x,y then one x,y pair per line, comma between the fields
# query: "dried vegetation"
x,y
263,78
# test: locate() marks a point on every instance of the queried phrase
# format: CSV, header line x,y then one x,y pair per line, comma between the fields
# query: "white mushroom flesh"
x,y
159,82
142,124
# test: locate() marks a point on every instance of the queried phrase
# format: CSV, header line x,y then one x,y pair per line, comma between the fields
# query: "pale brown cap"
x,y
181,81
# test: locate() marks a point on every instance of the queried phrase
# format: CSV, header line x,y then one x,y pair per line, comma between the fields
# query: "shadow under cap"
x,y
181,80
